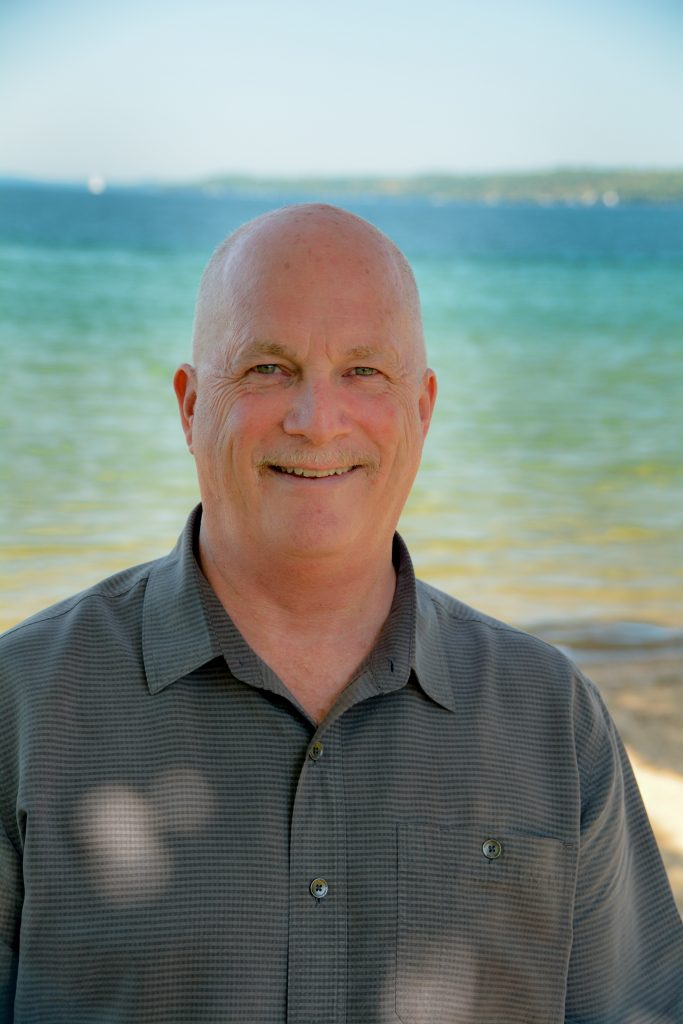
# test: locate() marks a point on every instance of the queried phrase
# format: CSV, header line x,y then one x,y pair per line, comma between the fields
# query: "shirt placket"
x,y
317,886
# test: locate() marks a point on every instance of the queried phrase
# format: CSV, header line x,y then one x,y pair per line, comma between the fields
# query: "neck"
x,y
307,590
313,620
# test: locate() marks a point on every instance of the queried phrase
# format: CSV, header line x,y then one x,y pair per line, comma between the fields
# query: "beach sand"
x,y
644,693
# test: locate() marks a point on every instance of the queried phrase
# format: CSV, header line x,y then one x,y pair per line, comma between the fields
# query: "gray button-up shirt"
x,y
460,840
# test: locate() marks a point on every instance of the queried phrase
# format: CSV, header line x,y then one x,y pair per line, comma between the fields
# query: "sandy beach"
x,y
644,693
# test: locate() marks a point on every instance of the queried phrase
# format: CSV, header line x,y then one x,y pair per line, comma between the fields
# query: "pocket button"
x,y
492,849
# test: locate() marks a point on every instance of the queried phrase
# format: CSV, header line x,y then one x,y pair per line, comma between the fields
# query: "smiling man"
x,y
272,777
306,413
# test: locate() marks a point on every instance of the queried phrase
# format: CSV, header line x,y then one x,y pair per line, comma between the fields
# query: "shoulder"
x,y
515,683
110,608
494,661
465,631
59,666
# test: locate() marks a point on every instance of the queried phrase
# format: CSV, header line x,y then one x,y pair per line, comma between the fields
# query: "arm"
x,y
626,965
11,897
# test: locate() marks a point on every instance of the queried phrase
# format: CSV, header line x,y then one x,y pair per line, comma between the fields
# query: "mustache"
x,y
307,459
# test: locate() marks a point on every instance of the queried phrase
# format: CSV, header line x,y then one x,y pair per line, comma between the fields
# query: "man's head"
x,y
309,359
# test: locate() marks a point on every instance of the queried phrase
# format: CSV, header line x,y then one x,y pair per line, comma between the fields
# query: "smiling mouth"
x,y
311,473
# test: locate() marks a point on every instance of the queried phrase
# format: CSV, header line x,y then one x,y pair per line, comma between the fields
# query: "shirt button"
x,y
492,849
316,751
319,888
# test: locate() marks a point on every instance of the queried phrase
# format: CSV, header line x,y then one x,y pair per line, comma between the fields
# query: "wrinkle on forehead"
x,y
270,254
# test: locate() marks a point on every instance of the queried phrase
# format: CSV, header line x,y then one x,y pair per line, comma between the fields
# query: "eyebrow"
x,y
361,352
267,348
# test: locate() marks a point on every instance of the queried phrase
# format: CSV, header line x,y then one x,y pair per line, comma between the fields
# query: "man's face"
x,y
311,411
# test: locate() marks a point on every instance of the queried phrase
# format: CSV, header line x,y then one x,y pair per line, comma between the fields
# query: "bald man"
x,y
272,777
305,455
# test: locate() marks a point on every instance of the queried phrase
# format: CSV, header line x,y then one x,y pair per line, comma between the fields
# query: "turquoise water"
x,y
552,482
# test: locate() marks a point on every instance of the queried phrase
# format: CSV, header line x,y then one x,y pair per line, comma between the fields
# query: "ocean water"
x,y
552,482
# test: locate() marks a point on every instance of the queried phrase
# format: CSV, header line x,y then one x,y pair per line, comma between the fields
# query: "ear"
x,y
185,387
427,400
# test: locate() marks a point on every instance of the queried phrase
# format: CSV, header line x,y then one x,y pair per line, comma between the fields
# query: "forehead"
x,y
309,277
298,277
329,276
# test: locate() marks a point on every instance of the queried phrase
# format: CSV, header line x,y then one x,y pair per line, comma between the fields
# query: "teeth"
x,y
295,471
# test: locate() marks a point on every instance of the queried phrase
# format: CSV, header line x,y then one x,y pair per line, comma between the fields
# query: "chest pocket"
x,y
483,926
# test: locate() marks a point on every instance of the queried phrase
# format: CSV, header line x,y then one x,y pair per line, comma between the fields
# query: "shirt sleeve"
x,y
626,964
11,898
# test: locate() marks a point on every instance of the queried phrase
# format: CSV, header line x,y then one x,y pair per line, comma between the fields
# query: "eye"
x,y
267,369
363,371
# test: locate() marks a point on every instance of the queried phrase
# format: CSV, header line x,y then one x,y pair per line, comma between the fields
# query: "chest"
x,y
247,867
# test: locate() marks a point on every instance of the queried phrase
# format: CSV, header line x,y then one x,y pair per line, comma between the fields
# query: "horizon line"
x,y
334,176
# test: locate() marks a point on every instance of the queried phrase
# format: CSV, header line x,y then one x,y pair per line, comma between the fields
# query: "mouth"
x,y
311,474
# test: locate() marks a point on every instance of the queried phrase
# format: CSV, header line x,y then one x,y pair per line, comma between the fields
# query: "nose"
x,y
316,412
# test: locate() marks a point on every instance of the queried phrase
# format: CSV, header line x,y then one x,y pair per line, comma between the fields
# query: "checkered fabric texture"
x,y
461,839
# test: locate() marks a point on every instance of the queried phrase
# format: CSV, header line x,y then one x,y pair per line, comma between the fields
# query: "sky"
x,y
142,90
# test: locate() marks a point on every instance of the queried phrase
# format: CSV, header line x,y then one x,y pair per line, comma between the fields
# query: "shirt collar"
x,y
184,626
413,616
429,661
176,638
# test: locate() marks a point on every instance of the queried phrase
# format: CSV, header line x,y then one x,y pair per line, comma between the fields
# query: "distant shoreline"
x,y
576,187
568,186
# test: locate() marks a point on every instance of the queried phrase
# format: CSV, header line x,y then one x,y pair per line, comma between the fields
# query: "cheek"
x,y
230,426
211,431
394,424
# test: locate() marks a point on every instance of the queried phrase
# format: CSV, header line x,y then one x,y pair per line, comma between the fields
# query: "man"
x,y
272,778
